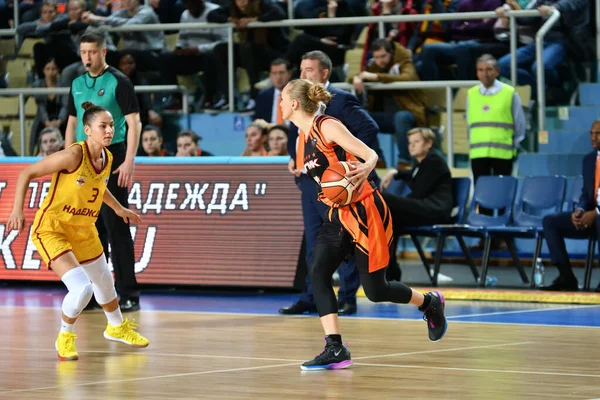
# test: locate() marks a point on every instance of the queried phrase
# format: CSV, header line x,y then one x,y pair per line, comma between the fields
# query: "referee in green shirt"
x,y
108,87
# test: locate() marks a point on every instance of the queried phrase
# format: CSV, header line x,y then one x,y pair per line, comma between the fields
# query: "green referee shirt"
x,y
112,90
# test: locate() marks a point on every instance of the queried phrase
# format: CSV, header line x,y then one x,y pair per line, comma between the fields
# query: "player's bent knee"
x,y
376,296
80,292
102,280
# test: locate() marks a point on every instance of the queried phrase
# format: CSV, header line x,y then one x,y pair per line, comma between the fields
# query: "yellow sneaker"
x,y
65,345
125,333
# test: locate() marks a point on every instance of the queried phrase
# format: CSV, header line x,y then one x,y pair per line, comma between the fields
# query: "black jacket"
x,y
431,182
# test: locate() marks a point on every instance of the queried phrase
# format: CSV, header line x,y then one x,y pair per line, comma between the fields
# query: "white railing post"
x,y
513,50
22,120
381,29
230,67
449,127
539,58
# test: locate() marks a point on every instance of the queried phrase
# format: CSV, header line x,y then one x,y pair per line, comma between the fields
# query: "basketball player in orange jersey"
x,y
64,230
364,226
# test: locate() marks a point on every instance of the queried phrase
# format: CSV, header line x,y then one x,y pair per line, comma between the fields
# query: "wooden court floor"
x,y
215,356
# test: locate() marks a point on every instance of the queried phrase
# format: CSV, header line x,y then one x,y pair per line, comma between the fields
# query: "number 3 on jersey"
x,y
94,196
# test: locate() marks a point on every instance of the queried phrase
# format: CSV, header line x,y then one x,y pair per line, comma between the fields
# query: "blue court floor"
x,y
268,304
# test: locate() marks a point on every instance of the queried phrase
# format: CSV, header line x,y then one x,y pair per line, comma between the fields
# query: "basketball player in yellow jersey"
x,y
64,230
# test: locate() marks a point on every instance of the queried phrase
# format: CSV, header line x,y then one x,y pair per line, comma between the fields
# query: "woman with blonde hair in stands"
x,y
363,227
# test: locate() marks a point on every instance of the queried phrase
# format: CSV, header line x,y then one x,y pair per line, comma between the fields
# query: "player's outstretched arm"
x,y
66,160
70,132
121,211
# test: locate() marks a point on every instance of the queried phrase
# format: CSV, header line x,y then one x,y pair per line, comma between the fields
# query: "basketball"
x,y
336,187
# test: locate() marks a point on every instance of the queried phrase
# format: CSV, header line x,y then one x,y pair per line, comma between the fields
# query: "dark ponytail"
x,y
90,111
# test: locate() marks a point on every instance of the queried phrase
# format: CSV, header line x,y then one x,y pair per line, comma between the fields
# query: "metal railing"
x,y
512,15
448,85
23,92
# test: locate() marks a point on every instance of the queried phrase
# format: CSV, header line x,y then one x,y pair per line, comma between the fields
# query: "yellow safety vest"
x,y
491,124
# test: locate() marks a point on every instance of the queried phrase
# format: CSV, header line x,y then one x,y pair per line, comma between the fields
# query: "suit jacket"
x,y
264,105
431,183
346,107
587,200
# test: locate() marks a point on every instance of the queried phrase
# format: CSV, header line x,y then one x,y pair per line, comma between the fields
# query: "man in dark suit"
x,y
579,224
316,66
267,101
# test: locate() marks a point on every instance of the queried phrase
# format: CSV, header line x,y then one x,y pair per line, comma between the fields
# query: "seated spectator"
x,y
128,66
51,141
267,101
466,41
38,28
256,138
574,20
332,40
277,137
306,8
6,147
51,108
144,46
257,47
168,11
430,200
188,145
394,111
195,52
152,142
62,38
581,223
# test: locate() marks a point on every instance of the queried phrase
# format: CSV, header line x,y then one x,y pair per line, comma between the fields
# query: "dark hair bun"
x,y
86,105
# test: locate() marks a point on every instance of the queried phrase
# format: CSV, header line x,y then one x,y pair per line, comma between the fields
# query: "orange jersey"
x,y
319,155
368,219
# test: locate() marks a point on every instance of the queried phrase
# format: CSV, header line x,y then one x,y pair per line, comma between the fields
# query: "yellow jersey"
x,y
75,197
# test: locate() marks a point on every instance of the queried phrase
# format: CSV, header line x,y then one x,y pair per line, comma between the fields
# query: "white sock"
x,y
66,327
115,318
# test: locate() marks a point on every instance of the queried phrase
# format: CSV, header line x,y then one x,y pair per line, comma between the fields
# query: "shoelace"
x,y
429,321
128,327
70,342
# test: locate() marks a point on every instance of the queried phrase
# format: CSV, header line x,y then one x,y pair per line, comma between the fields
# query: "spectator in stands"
x,y
6,147
574,20
495,125
430,200
128,66
62,38
267,101
152,142
168,11
257,47
256,138
107,7
332,40
144,46
581,223
188,145
51,108
38,28
467,40
397,111
195,52
51,141
307,8
277,137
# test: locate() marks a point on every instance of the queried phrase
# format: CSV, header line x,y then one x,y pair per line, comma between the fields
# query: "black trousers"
x,y
114,231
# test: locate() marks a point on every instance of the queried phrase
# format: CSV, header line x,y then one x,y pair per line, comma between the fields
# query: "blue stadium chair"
x,y
460,192
540,195
492,192
591,250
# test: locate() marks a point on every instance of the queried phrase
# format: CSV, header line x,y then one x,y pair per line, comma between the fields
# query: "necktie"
x,y
300,151
597,180
279,114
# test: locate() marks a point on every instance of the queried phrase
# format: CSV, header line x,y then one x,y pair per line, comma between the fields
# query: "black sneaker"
x,y
434,315
334,356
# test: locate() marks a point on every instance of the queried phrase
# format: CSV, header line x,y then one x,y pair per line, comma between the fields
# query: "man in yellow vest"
x,y
495,121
